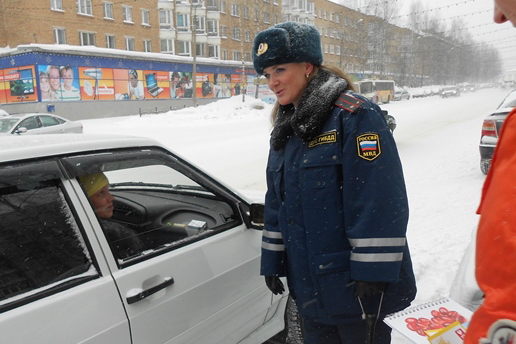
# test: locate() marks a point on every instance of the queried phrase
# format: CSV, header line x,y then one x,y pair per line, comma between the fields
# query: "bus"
x,y
379,91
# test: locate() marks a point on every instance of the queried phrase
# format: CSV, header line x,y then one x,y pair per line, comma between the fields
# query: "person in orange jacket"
x,y
495,320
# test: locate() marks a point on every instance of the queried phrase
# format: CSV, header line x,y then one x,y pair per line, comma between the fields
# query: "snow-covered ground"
x,y
437,141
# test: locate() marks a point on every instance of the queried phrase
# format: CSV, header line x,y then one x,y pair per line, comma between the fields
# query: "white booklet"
x,y
432,321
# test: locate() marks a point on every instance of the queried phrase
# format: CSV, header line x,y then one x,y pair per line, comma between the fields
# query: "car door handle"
x,y
142,294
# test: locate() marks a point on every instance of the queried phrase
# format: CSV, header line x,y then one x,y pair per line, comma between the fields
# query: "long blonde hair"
x,y
312,75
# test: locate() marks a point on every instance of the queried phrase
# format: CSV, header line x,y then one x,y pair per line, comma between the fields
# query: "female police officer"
x,y
336,207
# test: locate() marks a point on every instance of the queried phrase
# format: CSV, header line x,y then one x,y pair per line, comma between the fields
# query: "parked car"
x,y
37,123
400,95
450,91
391,121
3,113
491,128
191,274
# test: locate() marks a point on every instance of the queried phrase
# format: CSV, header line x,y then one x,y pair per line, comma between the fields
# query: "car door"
x,y
195,278
55,285
50,125
31,124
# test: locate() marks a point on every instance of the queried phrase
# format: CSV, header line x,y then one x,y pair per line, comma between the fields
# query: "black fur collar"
x,y
314,107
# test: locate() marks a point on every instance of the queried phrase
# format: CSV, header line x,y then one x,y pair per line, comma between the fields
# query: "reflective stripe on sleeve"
x,y
376,257
378,242
272,235
273,247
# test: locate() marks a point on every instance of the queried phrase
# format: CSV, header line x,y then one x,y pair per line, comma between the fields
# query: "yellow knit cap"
x,y
92,183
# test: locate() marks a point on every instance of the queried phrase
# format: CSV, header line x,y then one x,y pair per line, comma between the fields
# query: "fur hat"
x,y
92,183
286,43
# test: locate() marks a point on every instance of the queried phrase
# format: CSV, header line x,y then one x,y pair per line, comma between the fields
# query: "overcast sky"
x,y
478,16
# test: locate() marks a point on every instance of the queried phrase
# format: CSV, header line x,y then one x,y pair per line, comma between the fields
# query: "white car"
x,y
67,277
37,123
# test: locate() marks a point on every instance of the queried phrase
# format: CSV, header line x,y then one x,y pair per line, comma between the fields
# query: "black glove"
x,y
365,289
274,284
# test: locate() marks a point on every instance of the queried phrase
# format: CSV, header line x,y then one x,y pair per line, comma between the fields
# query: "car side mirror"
x,y
20,130
256,211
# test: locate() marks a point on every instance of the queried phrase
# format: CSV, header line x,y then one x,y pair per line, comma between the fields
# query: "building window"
x,y
182,22
222,7
256,15
332,49
84,7
147,45
247,36
56,5
108,10
110,41
275,19
183,48
213,51
167,46
246,12
237,55
212,4
146,17
224,54
165,19
200,49
59,35
337,50
212,26
224,31
248,57
234,10
129,43
199,23
326,48
275,2
128,14
236,34
87,38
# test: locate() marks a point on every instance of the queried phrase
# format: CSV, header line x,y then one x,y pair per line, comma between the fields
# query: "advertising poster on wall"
x,y
59,83
97,83
157,85
236,84
223,85
3,88
128,84
18,85
207,85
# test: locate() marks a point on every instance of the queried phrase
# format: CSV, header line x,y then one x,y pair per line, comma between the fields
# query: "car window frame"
x,y
89,162
13,174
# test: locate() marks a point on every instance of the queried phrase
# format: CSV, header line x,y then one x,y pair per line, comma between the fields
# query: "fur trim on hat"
x,y
286,43
306,121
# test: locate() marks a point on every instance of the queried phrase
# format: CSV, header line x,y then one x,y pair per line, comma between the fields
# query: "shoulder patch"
x,y
368,146
347,102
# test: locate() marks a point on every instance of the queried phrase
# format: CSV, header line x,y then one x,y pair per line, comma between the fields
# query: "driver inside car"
x,y
123,240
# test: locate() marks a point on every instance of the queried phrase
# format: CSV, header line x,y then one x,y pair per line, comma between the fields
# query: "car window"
x,y
42,248
48,121
6,124
29,123
159,202
509,101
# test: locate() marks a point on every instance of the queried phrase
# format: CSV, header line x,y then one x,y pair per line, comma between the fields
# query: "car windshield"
x,y
449,88
509,101
7,124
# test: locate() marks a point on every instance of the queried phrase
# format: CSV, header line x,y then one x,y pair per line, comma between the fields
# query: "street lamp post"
x,y
194,51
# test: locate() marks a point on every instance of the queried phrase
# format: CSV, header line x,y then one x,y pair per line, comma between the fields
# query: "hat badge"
x,y
262,48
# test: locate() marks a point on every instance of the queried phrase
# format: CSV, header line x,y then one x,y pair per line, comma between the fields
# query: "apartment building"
x,y
127,25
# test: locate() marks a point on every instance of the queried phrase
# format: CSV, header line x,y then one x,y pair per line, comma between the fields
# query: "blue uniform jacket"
x,y
337,211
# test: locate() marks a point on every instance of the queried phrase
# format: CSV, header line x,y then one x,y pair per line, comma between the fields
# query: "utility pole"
x,y
194,52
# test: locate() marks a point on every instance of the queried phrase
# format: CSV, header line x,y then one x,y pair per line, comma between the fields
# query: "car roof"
x,y
22,147
27,114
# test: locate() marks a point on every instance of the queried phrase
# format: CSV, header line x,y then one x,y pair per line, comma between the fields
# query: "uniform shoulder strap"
x,y
347,102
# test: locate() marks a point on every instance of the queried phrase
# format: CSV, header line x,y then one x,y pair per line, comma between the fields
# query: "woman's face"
x,y
288,81
54,77
133,80
103,202
505,10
